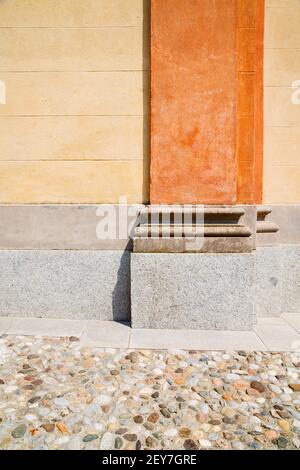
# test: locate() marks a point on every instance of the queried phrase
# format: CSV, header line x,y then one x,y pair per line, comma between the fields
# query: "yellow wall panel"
x,y
74,127
282,3
73,138
282,102
71,13
282,66
66,182
69,49
69,93
282,145
279,107
282,184
282,27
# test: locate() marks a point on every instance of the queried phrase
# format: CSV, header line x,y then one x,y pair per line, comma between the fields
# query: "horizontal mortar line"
x,y
75,27
282,48
270,165
73,115
110,160
288,87
268,126
121,241
280,8
292,126
85,203
75,71
281,86
283,164
60,204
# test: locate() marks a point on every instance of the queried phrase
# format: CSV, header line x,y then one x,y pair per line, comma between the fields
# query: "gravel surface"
x,y
54,395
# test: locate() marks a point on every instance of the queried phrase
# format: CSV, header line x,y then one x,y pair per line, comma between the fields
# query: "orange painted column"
x,y
204,101
250,50
259,102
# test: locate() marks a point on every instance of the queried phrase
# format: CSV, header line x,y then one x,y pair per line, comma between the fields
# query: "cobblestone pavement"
x,y
54,395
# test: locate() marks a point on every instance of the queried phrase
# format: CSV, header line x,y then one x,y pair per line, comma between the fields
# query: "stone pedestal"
x,y
231,266
193,267
193,291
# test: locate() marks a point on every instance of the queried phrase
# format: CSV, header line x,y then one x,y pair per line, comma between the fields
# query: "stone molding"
x,y
73,227
192,229
267,232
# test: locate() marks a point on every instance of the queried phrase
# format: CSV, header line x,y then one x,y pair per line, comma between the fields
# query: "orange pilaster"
x,y
259,102
249,145
204,102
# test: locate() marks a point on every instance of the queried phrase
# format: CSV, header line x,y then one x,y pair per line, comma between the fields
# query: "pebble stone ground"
x,y
54,395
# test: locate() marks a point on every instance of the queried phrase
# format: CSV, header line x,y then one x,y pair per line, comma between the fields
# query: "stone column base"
x,y
195,229
193,291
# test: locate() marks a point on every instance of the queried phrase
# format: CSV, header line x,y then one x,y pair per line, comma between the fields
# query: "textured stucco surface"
x,y
206,101
74,128
210,291
193,101
282,103
65,284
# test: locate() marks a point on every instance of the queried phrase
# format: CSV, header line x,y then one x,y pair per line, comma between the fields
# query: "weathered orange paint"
x,y
259,102
246,57
250,29
193,101
204,103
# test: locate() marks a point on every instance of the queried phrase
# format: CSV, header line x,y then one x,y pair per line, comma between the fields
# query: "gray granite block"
x,y
193,291
65,284
290,279
268,281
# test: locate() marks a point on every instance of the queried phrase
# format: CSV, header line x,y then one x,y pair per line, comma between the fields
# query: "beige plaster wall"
x,y
282,102
74,128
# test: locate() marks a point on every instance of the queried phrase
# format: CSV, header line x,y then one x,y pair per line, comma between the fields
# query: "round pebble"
x,y
90,437
205,443
19,431
237,445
